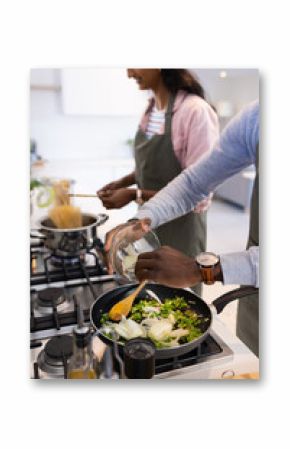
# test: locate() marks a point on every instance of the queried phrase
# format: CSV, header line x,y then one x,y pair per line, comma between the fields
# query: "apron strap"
x,y
168,114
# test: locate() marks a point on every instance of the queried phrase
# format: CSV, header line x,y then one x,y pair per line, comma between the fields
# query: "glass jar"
x,y
126,246
83,364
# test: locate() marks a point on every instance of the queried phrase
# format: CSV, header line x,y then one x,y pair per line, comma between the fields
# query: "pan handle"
x,y
225,299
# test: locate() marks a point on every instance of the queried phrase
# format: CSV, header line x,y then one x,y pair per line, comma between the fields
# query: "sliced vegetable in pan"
x,y
167,324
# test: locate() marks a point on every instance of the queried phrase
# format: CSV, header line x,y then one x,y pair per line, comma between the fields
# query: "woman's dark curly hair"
x,y
181,79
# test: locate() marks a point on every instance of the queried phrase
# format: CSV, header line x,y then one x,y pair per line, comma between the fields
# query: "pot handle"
x,y
101,219
228,297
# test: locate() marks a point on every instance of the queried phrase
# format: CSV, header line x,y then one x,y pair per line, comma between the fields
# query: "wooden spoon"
x,y
122,308
83,195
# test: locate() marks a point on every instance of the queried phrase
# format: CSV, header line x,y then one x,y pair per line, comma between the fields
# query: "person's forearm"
x,y
241,268
128,180
235,151
182,194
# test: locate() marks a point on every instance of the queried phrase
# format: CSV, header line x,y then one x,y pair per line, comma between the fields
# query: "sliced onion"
x,y
129,329
160,330
178,333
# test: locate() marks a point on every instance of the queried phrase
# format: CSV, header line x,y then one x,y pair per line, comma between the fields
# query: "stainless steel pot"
x,y
70,242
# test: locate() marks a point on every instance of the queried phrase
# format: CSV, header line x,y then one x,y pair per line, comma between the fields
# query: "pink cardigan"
x,y
195,127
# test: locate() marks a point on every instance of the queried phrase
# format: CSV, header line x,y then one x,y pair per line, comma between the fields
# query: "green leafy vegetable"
x,y
167,324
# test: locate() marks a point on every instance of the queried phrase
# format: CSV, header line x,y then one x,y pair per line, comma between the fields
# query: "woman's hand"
x,y
115,199
115,185
169,267
126,181
132,231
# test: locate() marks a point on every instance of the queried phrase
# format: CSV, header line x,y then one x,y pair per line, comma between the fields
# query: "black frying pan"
x,y
104,303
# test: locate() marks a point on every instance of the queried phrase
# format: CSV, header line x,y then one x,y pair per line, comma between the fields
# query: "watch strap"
x,y
208,274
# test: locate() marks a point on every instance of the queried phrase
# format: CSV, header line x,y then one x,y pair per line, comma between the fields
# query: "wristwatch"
x,y
207,263
139,199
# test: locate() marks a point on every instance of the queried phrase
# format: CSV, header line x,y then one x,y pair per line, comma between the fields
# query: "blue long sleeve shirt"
x,y
235,150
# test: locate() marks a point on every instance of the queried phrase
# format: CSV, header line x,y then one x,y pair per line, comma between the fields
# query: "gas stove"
x,y
60,286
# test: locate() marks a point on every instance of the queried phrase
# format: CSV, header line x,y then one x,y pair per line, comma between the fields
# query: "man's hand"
x,y
132,231
115,199
169,267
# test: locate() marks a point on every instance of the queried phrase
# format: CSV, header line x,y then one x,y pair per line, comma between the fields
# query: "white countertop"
x,y
240,362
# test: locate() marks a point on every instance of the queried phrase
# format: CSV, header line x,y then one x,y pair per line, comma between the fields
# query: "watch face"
x,y
207,259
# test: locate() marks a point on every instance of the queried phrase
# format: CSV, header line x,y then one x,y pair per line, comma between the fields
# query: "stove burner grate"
x,y
57,268
60,262
208,348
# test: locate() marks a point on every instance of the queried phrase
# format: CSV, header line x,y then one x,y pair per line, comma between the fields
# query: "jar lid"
x,y
82,336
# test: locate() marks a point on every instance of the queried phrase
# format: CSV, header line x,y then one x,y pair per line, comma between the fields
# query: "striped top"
x,y
156,121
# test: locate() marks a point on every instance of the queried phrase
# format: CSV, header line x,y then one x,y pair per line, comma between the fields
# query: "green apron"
x,y
156,166
248,308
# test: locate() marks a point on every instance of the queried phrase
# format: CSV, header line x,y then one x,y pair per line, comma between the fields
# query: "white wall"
x,y
241,86
63,136
71,137
100,92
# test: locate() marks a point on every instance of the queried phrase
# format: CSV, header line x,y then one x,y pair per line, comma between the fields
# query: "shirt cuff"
x,y
241,268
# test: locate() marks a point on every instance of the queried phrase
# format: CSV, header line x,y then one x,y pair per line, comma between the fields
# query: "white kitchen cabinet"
x,y
100,91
